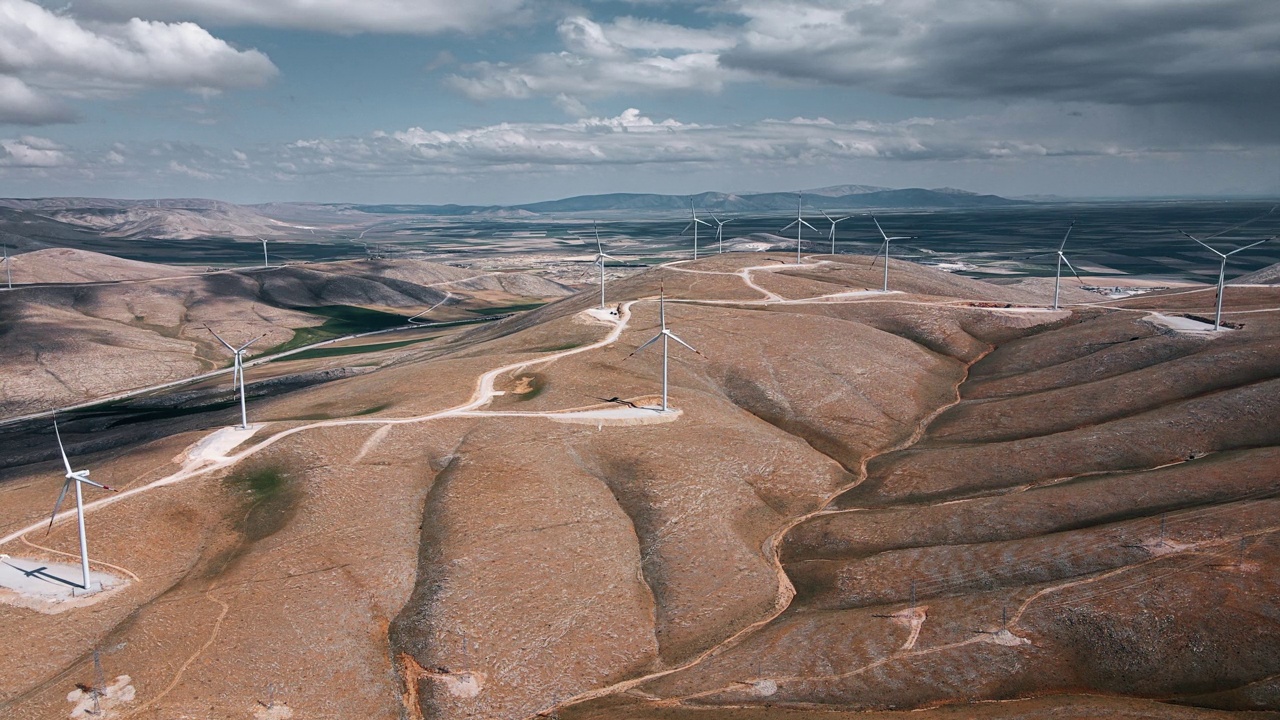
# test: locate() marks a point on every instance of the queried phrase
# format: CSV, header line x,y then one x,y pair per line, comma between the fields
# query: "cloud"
x,y
601,60
344,17
632,138
20,105
31,152
45,56
1122,52
1018,135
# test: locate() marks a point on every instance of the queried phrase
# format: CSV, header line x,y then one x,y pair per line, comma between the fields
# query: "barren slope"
x,y
498,539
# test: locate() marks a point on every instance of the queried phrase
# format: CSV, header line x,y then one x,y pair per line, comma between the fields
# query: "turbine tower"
x,y
237,372
78,478
694,223
265,264
720,231
600,258
1222,267
664,334
833,228
799,223
885,245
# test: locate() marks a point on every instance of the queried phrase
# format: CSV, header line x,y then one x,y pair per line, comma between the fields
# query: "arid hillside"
x,y
112,325
946,501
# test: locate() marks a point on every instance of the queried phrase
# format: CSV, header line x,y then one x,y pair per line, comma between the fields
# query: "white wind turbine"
x,y
663,335
887,240
601,256
1222,268
78,478
800,224
720,231
265,264
1061,259
237,372
694,223
833,228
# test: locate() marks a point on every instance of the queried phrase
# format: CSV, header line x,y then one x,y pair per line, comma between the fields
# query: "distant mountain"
x,y
31,224
842,190
862,196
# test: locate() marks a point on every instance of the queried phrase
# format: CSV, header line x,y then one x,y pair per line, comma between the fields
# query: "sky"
x,y
511,101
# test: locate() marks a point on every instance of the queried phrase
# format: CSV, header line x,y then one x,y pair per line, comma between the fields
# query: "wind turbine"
x,y
1222,268
237,372
720,231
78,478
694,223
799,223
833,228
601,256
1057,279
887,240
663,335
265,264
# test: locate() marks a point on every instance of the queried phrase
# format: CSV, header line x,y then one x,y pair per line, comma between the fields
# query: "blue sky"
x,y
505,101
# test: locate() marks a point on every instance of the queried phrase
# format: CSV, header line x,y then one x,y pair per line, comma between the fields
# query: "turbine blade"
x,y
1246,247
61,496
242,347
788,227
875,258
1064,237
599,247
1246,222
809,226
224,342
1072,269
653,340
65,462
686,228
81,477
877,222
825,215
1215,252
673,337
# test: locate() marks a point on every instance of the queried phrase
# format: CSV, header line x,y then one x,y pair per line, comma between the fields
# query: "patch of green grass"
x,y
505,309
270,498
354,349
558,348
341,320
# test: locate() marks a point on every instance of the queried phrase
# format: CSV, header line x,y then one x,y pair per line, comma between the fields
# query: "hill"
x,y
1269,275
67,344
944,501
66,265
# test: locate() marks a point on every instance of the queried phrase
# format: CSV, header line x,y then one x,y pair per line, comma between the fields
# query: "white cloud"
x,y
45,56
344,17
191,172
632,138
601,60
31,152
20,105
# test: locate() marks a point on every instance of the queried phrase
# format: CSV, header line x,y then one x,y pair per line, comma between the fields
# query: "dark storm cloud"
x,y
1123,52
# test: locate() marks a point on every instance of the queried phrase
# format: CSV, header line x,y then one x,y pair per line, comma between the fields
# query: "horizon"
x,y
511,102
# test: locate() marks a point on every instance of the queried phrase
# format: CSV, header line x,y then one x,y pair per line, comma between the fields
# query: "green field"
x,y
341,320
324,352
